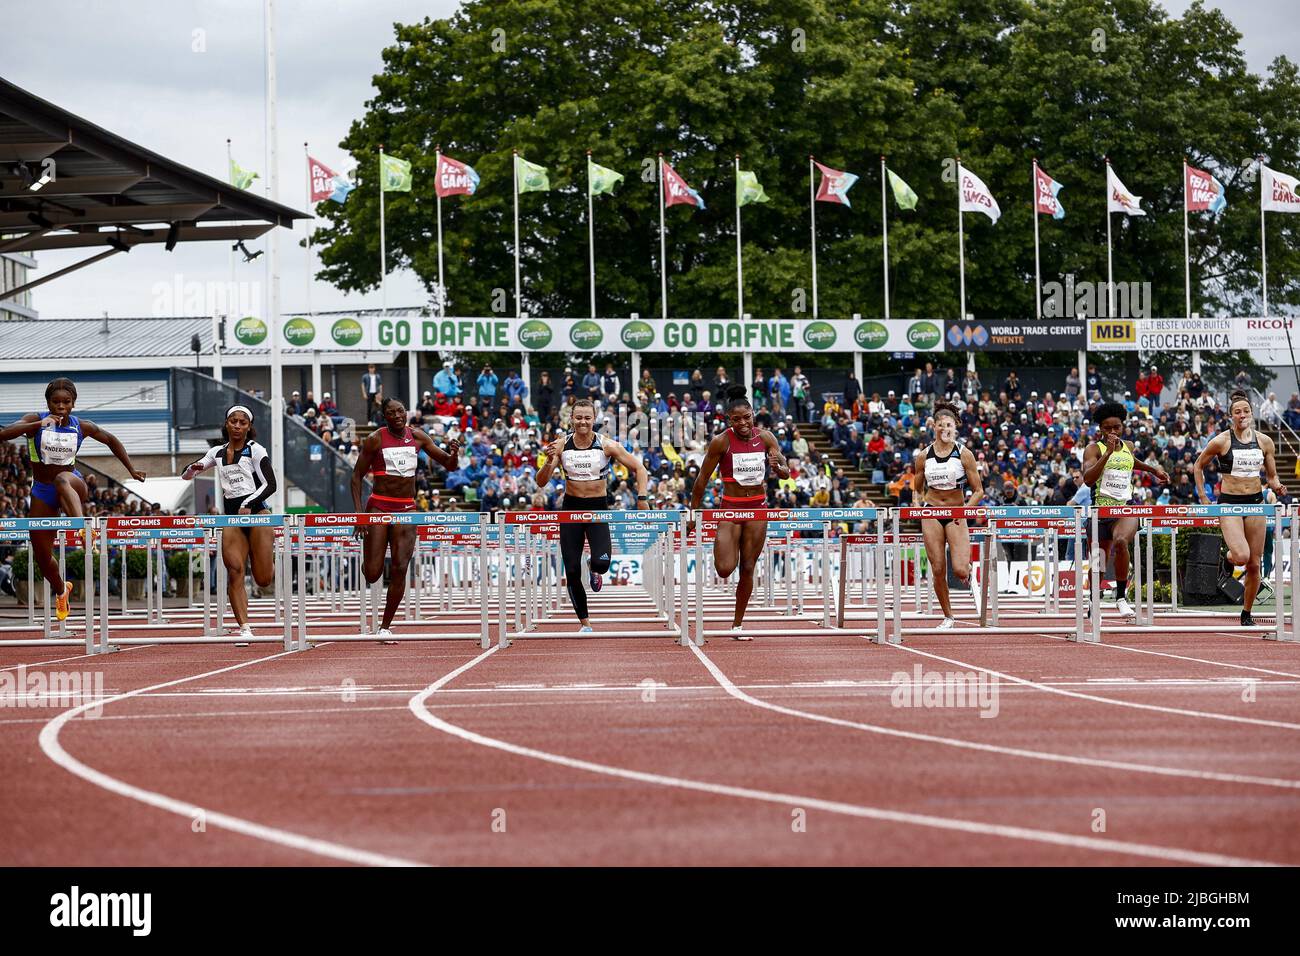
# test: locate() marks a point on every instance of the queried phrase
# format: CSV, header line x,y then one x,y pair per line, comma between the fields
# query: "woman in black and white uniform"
x,y
247,480
584,456
945,471
1242,454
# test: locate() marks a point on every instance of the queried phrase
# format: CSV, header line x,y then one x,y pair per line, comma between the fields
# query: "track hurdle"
x,y
16,528
1167,519
787,519
468,526
1052,517
520,551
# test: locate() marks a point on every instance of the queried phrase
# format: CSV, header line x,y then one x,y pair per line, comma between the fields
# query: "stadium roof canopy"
x,y
66,183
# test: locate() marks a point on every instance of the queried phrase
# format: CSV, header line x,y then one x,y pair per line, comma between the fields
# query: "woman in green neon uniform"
x,y
1108,466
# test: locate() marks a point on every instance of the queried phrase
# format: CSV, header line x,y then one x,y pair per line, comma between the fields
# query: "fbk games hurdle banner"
x,y
496,334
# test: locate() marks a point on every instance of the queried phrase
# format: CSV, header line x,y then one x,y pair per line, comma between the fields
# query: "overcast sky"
x,y
129,66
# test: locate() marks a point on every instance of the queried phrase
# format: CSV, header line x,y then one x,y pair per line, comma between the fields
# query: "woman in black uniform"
x,y
1242,453
584,457
247,480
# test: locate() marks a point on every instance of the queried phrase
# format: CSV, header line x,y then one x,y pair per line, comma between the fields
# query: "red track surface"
x,y
654,761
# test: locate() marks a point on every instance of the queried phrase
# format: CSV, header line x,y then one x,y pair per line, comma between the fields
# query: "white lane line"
x,y
725,683
1178,657
49,740
420,710
60,660
1179,711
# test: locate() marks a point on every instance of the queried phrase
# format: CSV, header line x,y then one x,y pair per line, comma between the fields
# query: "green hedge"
x,y
76,564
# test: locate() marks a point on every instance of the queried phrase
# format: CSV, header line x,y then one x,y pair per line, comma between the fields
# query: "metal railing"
x,y
198,402
1285,433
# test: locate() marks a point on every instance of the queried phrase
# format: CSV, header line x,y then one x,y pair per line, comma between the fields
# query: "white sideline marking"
x,y
1179,711
418,707
59,660
1179,657
725,683
49,740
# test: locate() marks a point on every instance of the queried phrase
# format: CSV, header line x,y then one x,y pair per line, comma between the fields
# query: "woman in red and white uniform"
x,y
390,454
745,454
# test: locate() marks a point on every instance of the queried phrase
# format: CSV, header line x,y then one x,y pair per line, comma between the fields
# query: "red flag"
x,y
455,178
322,179
1203,191
676,191
835,185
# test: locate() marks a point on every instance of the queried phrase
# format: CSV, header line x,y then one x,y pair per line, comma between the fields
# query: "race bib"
x,y
940,475
1117,484
235,481
1247,462
400,462
749,468
58,448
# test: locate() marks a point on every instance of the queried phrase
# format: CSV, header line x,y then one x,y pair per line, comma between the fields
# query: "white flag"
x,y
975,196
1119,198
1278,191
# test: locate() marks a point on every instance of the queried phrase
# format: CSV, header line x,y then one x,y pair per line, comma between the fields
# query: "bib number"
x,y
58,448
1117,484
235,482
1247,462
749,468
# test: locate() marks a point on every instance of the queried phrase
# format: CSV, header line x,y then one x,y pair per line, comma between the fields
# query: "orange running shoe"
x,y
61,603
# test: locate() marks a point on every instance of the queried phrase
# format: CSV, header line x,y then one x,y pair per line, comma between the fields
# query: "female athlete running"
x,y
53,440
945,473
247,480
1242,453
584,456
391,453
745,454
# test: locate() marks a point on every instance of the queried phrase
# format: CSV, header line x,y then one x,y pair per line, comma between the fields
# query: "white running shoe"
x,y
738,635
246,635
586,629
1124,608
948,624
386,636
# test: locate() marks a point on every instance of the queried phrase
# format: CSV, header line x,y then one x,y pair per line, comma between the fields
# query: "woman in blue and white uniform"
x,y
53,440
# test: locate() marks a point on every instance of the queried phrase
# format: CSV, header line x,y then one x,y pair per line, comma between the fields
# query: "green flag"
x,y
396,174
599,179
531,177
748,188
903,194
241,178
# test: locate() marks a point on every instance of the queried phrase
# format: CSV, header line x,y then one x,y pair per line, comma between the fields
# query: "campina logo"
x,y
871,335
534,334
968,335
819,335
347,332
299,331
923,335
250,330
637,335
586,334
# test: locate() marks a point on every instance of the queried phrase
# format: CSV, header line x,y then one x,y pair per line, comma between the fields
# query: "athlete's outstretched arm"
x,y
91,430
29,424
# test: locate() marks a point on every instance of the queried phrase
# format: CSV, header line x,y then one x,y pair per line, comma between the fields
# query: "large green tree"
x,y
997,82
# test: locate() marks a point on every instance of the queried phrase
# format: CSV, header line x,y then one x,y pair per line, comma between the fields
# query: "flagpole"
x,y
591,237
663,262
1187,256
884,221
311,209
1038,277
273,265
437,191
515,172
812,205
383,243
231,298
961,246
1263,242
740,268
1110,273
